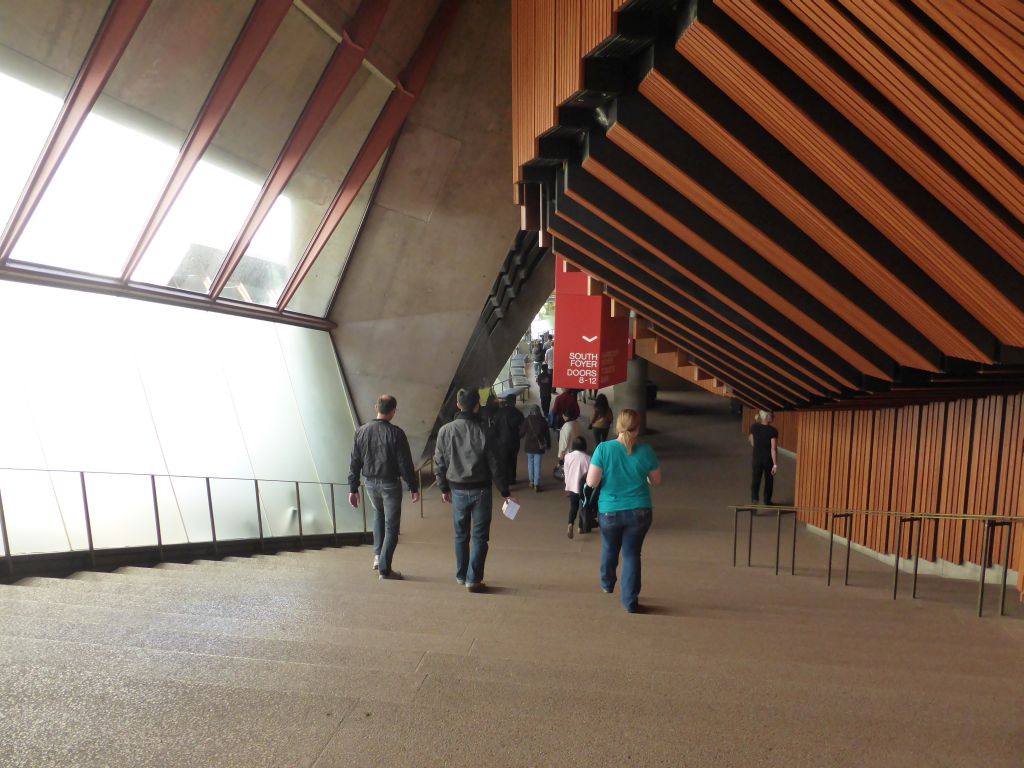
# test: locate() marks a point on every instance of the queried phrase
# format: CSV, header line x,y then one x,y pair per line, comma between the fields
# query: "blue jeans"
x,y
471,507
623,531
386,500
533,467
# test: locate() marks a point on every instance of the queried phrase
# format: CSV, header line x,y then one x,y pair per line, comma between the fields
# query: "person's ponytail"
x,y
628,427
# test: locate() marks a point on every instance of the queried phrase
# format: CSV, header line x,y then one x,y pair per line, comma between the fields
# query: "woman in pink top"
x,y
577,462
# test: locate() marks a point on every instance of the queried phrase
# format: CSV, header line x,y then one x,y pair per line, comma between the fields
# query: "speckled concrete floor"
x,y
305,659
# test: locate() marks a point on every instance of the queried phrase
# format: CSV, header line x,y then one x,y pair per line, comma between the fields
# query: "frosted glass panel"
x,y
34,522
349,520
316,508
113,386
279,508
121,510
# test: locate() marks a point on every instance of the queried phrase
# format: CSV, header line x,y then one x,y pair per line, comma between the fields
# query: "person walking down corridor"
x,y
536,441
380,453
466,464
544,380
508,422
624,469
601,421
577,463
764,442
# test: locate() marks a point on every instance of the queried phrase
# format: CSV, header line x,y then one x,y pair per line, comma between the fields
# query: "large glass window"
x,y
42,45
282,237
315,293
106,185
210,210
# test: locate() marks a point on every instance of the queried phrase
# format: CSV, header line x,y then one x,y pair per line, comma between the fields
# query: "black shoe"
x,y
477,587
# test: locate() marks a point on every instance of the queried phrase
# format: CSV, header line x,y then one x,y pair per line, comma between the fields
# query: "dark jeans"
x,y
625,532
600,435
545,403
471,508
586,516
511,462
762,468
386,499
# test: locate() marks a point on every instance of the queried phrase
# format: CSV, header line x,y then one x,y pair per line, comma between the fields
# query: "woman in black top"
x,y
601,421
544,385
764,439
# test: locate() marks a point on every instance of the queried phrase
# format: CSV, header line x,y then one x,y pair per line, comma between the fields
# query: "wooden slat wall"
x,y
549,40
960,457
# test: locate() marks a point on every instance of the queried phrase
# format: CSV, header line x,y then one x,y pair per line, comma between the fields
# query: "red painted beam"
x,y
344,63
112,38
410,84
264,19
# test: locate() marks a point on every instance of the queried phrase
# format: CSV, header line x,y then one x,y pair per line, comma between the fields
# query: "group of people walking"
x,y
469,460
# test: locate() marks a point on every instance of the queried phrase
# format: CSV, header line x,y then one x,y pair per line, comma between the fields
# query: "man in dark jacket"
x,y
507,423
380,452
466,463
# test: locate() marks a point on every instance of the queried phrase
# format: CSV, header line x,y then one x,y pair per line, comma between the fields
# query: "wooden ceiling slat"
x,y
746,304
914,100
730,314
796,386
699,347
876,126
747,87
722,261
866,324
689,116
739,369
940,67
992,34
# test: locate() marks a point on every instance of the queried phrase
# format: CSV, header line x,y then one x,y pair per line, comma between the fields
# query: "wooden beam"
x,y
594,286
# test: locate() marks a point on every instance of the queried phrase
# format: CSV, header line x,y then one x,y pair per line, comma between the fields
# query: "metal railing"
x,y
208,480
991,522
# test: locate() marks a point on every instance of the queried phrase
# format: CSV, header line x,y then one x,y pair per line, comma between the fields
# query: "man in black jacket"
x,y
380,452
506,425
466,463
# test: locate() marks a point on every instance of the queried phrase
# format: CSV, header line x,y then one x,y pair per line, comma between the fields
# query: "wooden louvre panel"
x,y
861,447
568,49
952,270
914,99
688,115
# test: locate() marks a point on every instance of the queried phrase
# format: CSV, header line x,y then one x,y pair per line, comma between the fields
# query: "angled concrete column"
x,y
632,393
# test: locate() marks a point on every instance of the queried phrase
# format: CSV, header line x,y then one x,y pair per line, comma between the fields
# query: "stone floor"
x,y
306,659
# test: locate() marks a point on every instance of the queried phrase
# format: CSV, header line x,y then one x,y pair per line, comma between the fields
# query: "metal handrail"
x,y
991,521
8,555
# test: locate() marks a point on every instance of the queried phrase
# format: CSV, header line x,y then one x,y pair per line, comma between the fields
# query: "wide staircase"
x,y
306,659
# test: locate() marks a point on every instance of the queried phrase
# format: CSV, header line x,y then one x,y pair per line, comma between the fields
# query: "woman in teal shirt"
x,y
627,469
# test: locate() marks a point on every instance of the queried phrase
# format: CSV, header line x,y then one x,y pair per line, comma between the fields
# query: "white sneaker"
x,y
376,562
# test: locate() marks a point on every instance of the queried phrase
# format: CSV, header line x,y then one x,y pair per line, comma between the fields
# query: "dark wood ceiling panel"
x,y
991,167
956,273
868,255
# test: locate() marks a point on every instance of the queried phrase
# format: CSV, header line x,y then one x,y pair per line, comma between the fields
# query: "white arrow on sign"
x,y
590,338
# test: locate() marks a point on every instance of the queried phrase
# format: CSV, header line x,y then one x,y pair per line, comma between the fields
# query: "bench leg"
x,y
984,567
831,532
778,537
792,555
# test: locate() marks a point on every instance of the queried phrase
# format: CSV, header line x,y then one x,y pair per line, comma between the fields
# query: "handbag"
x,y
559,472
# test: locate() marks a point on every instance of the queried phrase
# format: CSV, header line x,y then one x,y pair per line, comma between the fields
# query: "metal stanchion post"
x,y
984,566
334,515
88,520
156,519
298,510
1006,566
7,545
259,513
213,522
899,542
